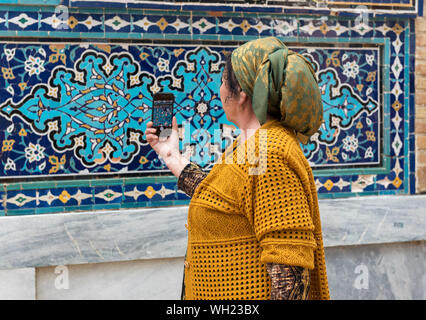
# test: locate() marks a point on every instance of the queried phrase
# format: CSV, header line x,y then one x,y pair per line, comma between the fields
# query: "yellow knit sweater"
x,y
240,219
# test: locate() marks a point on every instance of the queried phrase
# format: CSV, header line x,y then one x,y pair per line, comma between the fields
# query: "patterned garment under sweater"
x,y
287,282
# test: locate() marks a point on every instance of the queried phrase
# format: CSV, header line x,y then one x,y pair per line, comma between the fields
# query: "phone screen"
x,y
162,111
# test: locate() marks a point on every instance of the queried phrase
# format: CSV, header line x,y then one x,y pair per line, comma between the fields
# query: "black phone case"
x,y
162,111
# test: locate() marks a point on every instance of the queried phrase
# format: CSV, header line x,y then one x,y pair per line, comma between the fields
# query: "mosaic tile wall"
x,y
75,98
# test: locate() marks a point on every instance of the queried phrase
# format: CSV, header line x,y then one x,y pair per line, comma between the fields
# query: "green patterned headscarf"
x,y
280,82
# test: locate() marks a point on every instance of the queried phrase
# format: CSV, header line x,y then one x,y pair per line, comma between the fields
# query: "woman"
x,y
256,234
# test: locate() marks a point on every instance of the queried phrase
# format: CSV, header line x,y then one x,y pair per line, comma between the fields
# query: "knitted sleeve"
x,y
190,178
281,216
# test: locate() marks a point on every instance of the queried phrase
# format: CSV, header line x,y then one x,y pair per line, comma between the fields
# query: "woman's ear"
x,y
243,98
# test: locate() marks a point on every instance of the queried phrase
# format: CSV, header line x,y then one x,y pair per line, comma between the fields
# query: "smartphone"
x,y
162,111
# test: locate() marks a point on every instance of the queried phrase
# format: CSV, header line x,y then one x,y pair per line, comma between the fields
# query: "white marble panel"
x,y
134,280
391,271
91,237
17,284
368,220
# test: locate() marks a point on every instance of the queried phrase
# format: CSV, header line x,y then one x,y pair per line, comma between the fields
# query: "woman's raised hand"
x,y
166,145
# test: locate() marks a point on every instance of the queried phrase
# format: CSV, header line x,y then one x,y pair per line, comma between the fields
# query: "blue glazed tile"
x,y
412,161
117,23
160,24
155,25
306,28
190,7
259,9
150,5
243,26
46,22
73,196
412,138
228,25
203,25
151,192
98,4
23,21
342,28
412,44
111,194
182,196
21,199
37,2
253,26
2,195
46,198
140,23
3,21
131,193
170,186
158,196
181,25
88,23
412,183
283,28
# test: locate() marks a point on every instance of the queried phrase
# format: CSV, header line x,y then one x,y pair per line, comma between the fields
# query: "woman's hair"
x,y
230,79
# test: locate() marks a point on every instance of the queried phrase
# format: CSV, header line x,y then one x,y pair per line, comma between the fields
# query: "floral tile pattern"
x,y
72,114
90,117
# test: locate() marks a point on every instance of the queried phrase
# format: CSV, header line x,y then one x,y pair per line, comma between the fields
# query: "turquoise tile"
x,y
38,2
182,202
77,208
95,35
12,186
133,205
153,36
166,179
140,180
38,185
106,182
73,183
8,33
20,212
117,35
48,210
160,204
107,206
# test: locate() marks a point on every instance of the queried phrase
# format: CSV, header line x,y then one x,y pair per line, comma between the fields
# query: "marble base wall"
x,y
156,279
375,249
377,272
368,272
17,284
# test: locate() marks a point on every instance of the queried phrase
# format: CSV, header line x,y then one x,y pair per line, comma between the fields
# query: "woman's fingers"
x,y
174,123
150,133
152,139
